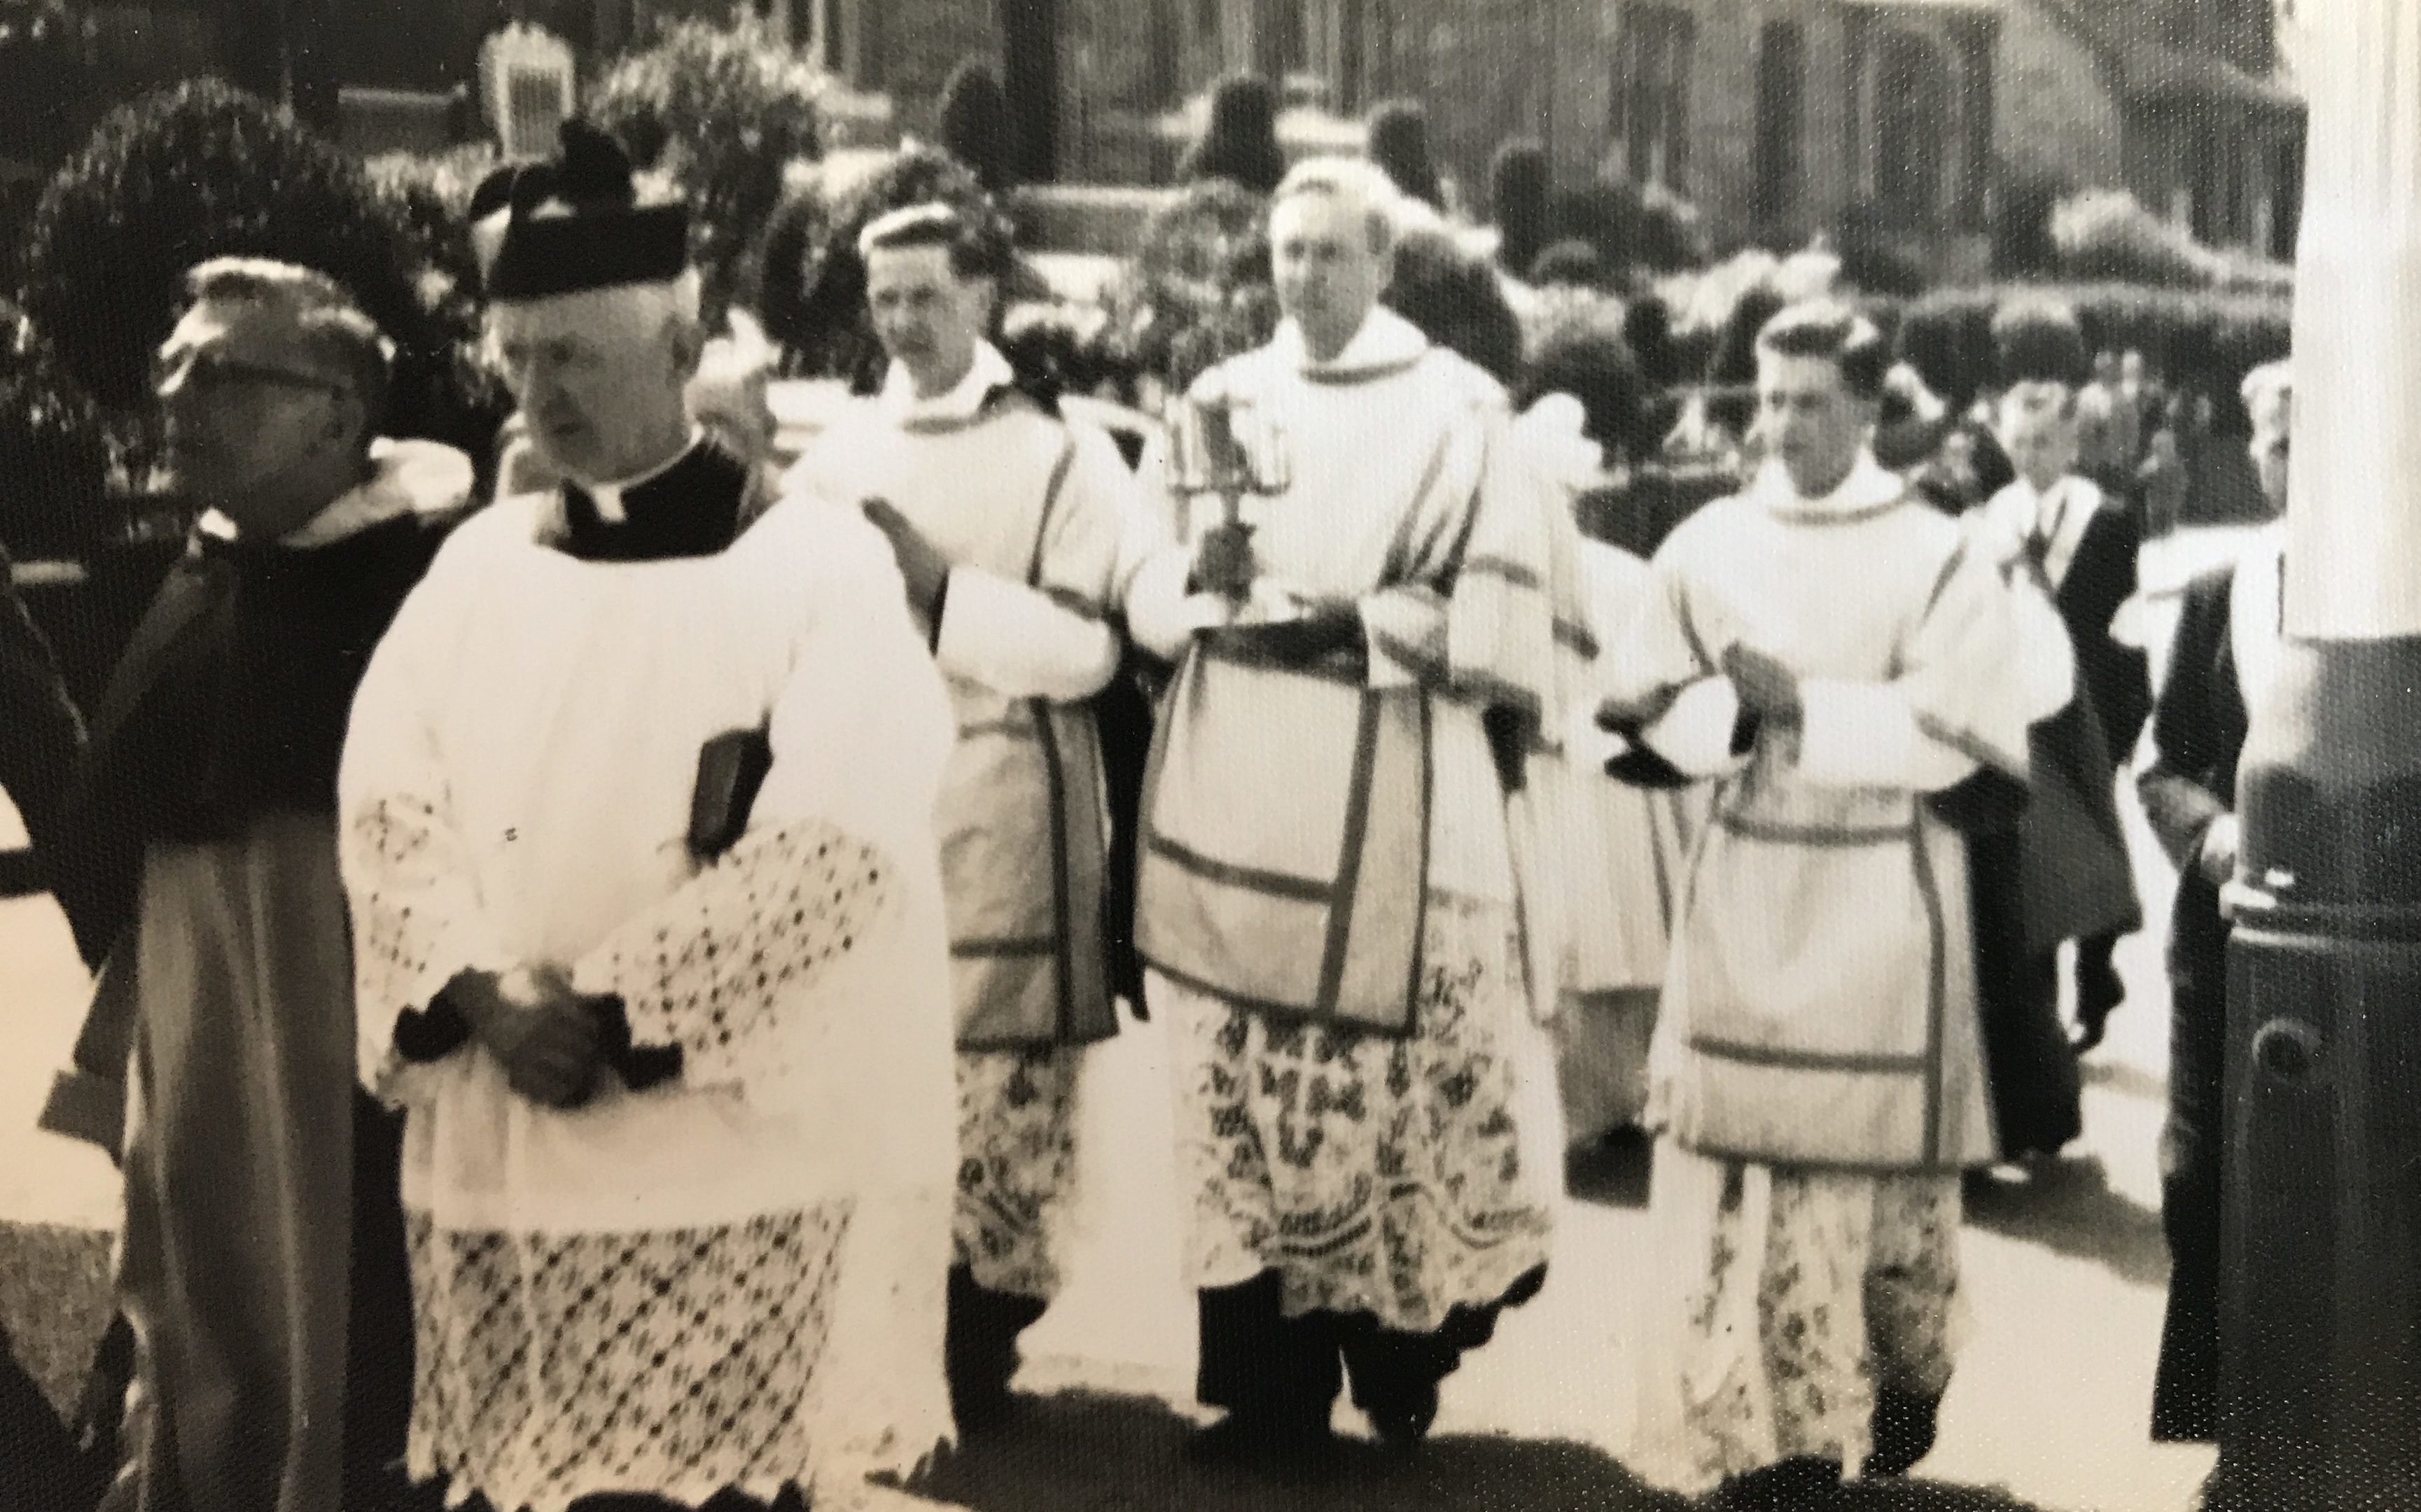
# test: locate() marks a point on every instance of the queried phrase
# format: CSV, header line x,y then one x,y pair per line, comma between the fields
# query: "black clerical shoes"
x,y
1797,1484
1279,1443
1905,1424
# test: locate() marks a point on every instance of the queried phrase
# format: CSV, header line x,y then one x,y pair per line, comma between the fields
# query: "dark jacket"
x,y
2198,731
2101,577
41,737
230,702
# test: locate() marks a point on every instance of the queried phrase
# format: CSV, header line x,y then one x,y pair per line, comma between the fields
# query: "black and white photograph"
x,y
1209,756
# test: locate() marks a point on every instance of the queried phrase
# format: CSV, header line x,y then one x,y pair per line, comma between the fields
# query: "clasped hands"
x,y
552,1039
1767,688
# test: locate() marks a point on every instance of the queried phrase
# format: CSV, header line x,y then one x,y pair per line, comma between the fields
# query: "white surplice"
x,y
1815,1078
736,1278
1036,518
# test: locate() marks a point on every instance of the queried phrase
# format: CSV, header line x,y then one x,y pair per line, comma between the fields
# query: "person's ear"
x,y
687,341
348,420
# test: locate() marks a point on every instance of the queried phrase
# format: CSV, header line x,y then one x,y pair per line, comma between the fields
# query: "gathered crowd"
x,y
595,978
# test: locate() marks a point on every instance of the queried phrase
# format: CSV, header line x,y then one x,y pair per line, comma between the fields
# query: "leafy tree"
x,y
204,170
723,111
975,123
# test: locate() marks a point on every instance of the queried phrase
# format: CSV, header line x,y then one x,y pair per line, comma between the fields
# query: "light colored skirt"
x,y
1017,1164
1397,1176
234,1261
1778,1299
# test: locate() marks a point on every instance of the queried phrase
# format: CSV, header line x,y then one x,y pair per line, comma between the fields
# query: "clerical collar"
x,y
1868,492
986,376
1386,343
607,497
695,508
424,477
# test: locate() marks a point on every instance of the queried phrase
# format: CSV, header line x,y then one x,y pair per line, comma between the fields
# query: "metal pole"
x,y
2320,1296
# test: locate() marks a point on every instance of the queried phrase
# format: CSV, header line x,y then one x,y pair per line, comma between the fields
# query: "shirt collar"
x,y
406,478
985,375
1868,487
607,497
1385,341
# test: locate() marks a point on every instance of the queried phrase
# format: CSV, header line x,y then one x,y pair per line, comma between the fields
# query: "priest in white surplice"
x,y
1328,898
1010,526
637,807
1856,673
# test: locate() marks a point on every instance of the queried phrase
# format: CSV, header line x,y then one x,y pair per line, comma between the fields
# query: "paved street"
x,y
2065,1279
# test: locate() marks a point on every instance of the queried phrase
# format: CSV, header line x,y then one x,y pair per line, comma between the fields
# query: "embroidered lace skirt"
x,y
677,1363
1778,1300
1017,1158
1391,1175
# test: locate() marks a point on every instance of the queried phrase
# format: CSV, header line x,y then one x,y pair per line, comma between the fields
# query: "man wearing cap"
x,y
1328,896
637,823
1008,523
199,873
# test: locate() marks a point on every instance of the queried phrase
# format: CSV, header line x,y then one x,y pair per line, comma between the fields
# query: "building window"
x,y
1781,93
1351,61
1651,94
1976,107
1912,138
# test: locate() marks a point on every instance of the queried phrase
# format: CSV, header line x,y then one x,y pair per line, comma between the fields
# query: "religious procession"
x,y
742,824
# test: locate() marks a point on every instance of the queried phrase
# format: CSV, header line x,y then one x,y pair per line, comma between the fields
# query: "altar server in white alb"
x,y
1010,525
1368,1125
1856,673
637,808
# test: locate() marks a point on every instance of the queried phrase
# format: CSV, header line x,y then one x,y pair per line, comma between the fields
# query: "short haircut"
x,y
1355,179
1571,260
2268,394
330,324
1833,331
978,248
2036,398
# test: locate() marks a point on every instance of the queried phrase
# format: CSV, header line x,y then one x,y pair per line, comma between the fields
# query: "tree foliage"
x,y
722,112
204,170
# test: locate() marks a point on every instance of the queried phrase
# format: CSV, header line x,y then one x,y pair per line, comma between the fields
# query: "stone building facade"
x,y
1779,118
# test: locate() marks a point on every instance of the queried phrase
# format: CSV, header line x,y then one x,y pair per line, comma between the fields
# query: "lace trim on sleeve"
x,y
713,970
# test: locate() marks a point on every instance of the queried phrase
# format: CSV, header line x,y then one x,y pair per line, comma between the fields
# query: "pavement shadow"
x,y
1091,1451
1085,1451
2068,1208
1611,1171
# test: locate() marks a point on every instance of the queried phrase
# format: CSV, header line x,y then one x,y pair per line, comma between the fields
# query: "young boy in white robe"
x,y
1010,525
637,819
1850,666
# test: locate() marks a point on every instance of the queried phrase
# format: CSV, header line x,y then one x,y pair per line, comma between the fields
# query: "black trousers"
x,y
980,1343
2037,1096
2185,1388
1258,1362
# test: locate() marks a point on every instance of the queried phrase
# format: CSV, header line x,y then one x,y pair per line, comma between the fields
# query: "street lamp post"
x,y
2321,1373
